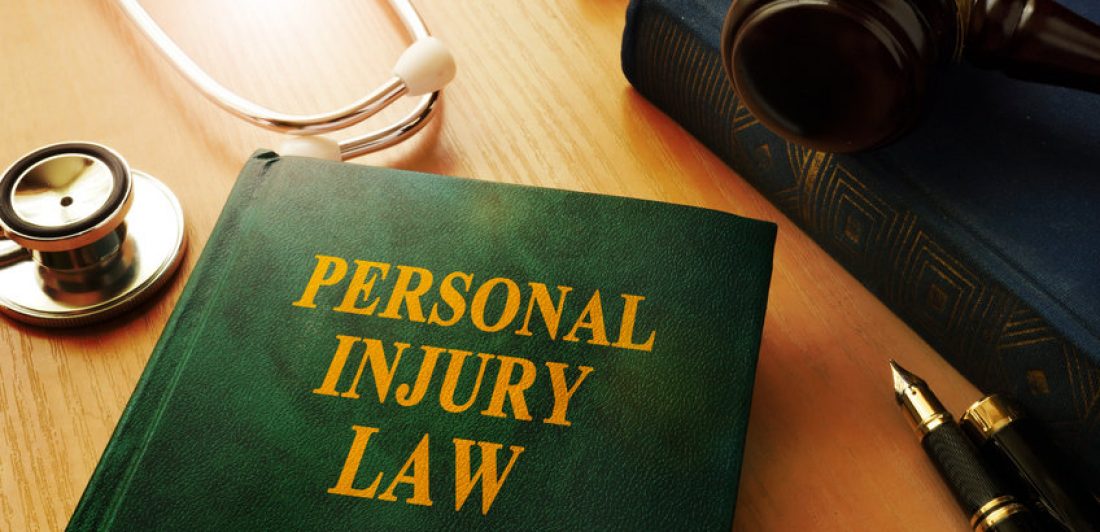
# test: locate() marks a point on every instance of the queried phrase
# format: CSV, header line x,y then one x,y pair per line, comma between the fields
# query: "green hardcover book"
x,y
363,348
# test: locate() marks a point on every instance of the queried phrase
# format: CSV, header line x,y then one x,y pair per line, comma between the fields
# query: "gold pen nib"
x,y
903,379
977,490
921,407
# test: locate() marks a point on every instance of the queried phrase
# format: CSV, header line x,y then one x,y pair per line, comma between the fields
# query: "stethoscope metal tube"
x,y
83,237
386,137
10,252
337,119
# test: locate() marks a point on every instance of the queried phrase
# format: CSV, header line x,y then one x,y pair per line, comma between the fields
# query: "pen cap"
x,y
1014,445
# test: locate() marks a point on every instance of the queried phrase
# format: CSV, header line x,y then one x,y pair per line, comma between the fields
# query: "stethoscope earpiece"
x,y
83,237
424,68
86,236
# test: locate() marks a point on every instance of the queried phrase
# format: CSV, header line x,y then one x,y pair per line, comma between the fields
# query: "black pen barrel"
x,y
1020,522
1014,445
983,498
1021,449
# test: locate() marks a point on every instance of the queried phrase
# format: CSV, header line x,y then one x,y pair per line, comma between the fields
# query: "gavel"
x,y
852,75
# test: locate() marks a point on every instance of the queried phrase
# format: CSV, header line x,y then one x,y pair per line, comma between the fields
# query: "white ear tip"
x,y
311,146
426,66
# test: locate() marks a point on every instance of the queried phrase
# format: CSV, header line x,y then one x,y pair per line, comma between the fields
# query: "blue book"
x,y
980,229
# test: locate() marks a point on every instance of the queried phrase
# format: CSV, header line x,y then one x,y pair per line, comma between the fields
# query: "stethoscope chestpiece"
x,y
87,237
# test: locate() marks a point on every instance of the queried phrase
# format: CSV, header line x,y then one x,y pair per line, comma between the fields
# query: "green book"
x,y
367,348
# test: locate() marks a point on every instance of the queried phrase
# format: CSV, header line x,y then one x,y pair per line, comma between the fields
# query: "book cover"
x,y
364,348
978,229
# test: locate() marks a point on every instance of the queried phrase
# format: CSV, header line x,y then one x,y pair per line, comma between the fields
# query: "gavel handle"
x,y
1035,40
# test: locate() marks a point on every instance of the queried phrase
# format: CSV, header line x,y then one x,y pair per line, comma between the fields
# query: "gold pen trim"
x,y
989,415
925,411
988,507
930,424
997,516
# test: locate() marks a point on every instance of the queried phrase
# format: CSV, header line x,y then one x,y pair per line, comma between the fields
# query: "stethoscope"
x,y
83,237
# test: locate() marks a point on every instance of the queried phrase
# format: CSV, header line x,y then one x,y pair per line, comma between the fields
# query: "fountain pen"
x,y
983,497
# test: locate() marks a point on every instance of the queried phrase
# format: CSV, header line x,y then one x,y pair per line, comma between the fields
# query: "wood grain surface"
x,y
539,99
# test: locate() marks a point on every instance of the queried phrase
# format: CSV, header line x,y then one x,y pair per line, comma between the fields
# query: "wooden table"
x,y
539,99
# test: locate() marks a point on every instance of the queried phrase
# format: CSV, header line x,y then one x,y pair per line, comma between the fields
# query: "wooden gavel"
x,y
850,75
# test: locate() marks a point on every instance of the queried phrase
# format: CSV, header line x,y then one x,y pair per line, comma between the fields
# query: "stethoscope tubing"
x,y
313,124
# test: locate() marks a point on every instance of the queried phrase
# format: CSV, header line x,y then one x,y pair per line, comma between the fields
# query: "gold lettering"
x,y
450,295
592,319
626,328
486,473
514,392
450,381
551,315
383,372
322,277
336,367
351,466
511,304
407,397
419,462
360,286
411,298
562,392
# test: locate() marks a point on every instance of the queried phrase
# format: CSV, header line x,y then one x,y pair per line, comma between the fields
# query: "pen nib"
x,y
902,378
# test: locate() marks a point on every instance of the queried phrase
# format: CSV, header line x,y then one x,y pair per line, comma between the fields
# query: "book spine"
x,y
106,490
899,248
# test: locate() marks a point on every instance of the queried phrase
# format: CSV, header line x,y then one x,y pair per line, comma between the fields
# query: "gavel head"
x,y
837,75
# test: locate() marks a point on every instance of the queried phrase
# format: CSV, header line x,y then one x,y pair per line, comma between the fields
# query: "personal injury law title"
x,y
400,292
